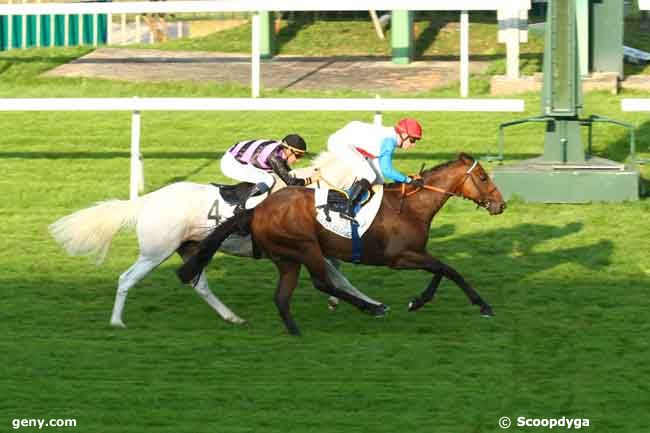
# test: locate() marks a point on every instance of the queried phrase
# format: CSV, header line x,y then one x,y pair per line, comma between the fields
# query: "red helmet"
x,y
410,126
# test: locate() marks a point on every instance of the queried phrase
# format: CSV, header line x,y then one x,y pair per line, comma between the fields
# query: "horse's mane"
x,y
429,171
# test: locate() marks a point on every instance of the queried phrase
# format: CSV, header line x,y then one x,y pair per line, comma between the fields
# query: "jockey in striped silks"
x,y
254,160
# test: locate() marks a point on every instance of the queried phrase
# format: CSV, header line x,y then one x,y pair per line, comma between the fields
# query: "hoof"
x,y
332,303
486,311
117,324
378,310
236,320
415,304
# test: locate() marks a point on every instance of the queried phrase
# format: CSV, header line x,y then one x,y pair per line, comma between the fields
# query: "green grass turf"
x,y
568,285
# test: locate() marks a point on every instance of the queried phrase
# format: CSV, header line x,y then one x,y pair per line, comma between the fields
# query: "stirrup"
x,y
347,216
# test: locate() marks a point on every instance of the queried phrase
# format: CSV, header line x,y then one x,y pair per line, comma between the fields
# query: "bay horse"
x,y
174,219
285,227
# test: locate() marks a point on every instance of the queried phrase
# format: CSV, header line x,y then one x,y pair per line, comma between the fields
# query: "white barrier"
x,y
640,104
644,5
136,105
257,5
512,51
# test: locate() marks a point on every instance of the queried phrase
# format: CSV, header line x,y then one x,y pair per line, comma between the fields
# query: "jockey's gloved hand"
x,y
416,182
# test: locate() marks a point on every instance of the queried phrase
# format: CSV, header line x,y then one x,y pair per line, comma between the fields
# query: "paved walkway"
x,y
283,72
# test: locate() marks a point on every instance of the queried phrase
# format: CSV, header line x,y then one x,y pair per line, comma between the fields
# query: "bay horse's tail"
x,y
211,244
90,231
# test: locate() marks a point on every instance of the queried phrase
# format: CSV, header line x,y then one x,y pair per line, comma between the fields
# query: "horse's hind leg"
x,y
204,291
287,282
128,279
202,288
313,259
340,281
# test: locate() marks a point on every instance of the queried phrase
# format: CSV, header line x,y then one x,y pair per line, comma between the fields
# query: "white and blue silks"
x,y
368,150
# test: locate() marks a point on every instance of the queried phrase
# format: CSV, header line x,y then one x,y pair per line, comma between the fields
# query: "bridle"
x,y
484,201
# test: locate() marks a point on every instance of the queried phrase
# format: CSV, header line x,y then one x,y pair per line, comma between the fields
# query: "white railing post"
x,y
464,54
52,34
378,116
137,174
66,30
38,28
96,29
123,29
512,38
10,28
109,29
81,27
138,34
23,42
255,57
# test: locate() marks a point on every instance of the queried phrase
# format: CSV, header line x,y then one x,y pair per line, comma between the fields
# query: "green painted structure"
x,y
565,173
267,35
44,38
402,37
606,20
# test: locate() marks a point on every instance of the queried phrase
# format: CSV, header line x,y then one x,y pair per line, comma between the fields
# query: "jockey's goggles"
x,y
298,152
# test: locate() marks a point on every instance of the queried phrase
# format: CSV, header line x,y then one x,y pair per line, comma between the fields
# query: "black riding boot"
x,y
357,191
258,188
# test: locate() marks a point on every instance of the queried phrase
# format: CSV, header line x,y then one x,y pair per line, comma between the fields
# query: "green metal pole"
x,y
267,35
401,37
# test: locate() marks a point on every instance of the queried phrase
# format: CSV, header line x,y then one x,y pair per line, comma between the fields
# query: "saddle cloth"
x,y
341,226
227,198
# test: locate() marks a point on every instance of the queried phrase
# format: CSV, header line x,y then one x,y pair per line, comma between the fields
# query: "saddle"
x,y
232,194
337,201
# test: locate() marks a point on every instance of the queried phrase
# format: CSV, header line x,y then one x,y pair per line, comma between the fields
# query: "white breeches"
x,y
244,172
361,166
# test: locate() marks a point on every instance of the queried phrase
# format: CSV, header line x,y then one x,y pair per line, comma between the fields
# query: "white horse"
x,y
174,219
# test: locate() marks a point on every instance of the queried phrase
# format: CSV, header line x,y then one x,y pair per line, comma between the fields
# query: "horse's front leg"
x,y
422,260
427,295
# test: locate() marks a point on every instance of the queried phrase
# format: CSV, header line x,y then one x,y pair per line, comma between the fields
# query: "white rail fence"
x,y
637,105
509,8
137,105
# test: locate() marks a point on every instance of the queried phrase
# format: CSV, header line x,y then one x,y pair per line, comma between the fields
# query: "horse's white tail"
x,y
89,231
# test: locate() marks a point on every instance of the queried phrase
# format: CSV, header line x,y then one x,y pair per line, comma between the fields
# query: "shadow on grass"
x,y
187,175
429,35
426,157
512,253
619,150
289,32
513,250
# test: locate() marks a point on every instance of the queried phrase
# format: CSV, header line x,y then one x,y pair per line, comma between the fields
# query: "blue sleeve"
x,y
386,161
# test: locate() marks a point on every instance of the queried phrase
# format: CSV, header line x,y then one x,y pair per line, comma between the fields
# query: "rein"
x,y
405,194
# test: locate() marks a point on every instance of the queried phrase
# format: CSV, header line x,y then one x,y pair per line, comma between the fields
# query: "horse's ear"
x,y
465,157
422,168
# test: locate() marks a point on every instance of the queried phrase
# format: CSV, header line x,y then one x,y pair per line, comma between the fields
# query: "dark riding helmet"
x,y
295,143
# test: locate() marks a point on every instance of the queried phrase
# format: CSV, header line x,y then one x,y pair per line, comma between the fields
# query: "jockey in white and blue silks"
x,y
368,150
